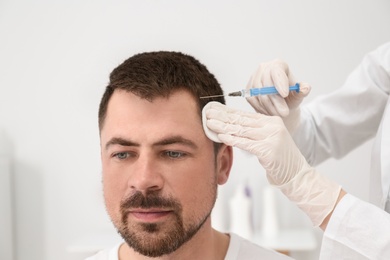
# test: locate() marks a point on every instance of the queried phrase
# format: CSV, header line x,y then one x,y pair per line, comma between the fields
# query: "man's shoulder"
x,y
241,248
106,254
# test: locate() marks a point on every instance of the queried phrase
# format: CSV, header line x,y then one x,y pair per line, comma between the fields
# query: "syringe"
x,y
260,91
256,91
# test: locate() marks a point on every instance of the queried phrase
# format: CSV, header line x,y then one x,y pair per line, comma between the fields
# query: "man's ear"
x,y
224,163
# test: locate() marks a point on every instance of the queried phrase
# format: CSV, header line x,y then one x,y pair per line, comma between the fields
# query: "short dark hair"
x,y
159,74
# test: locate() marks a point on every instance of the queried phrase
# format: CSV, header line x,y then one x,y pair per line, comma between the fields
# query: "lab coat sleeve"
x,y
356,230
332,125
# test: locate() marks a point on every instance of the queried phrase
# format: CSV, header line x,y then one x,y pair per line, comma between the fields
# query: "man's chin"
x,y
152,244
154,240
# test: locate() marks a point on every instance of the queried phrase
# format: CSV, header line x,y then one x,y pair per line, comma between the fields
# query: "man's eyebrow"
x,y
120,141
167,141
176,140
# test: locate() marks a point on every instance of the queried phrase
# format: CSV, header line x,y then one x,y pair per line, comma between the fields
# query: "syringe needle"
x,y
213,96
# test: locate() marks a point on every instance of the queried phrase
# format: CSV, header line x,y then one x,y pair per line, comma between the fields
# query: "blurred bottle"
x,y
240,206
270,222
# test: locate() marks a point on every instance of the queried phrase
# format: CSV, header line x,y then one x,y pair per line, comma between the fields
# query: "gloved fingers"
x,y
274,73
265,150
228,110
295,99
280,77
259,105
305,89
273,105
242,143
276,105
252,129
220,119
237,130
216,110
280,105
225,114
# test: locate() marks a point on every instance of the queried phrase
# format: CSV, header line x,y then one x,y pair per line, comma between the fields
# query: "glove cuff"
x,y
313,193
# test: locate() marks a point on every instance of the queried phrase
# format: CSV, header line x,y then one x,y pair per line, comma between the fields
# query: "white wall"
x,y
6,223
54,64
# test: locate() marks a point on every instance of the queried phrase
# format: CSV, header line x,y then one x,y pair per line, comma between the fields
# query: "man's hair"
x,y
159,74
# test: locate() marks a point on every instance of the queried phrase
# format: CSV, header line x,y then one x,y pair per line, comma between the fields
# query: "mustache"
x,y
150,200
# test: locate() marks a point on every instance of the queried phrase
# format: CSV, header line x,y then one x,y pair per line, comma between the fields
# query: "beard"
x,y
157,239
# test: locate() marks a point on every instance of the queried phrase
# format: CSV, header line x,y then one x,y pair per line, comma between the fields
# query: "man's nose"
x,y
146,175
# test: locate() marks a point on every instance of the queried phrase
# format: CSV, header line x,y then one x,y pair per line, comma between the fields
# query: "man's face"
x,y
160,173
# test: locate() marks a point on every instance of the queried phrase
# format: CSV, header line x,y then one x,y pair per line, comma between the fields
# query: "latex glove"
x,y
277,73
286,168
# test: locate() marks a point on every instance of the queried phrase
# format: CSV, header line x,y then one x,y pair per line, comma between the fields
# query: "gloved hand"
x,y
277,73
286,168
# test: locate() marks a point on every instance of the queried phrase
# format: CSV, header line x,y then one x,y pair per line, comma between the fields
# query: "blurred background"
x,y
55,58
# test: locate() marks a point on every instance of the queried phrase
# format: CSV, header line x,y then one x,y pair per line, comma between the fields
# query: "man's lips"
x,y
149,215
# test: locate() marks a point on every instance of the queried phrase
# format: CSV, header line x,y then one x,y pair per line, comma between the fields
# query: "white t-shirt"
x,y
239,249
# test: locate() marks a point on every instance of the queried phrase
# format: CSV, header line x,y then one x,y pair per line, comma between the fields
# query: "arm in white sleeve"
x,y
332,125
356,230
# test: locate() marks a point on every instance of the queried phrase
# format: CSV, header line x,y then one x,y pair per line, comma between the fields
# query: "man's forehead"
x,y
177,113
157,96
179,98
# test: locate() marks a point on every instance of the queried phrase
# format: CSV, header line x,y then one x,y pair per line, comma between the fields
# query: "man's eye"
x,y
174,154
121,155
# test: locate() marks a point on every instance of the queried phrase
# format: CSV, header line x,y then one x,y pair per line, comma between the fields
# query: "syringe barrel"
x,y
267,90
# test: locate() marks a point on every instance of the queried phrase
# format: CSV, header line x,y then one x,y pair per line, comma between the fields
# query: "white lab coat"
x,y
335,124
